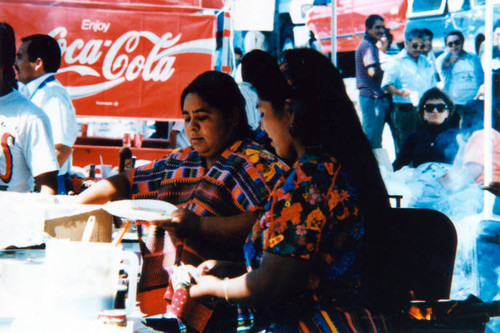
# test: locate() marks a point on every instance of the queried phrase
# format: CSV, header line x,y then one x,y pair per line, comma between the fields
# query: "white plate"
x,y
142,209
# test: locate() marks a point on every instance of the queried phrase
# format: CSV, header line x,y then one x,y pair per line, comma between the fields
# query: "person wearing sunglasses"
x,y
407,77
436,141
461,71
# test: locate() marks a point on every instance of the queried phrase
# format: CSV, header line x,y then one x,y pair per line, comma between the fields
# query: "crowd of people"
x,y
429,102
391,85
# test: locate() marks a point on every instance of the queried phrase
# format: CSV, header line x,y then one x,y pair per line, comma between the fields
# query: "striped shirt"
x,y
367,56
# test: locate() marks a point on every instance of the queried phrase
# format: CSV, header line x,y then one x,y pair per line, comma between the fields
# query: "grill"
x,y
410,256
470,315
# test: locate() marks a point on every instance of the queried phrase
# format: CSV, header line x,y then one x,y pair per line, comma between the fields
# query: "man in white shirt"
x,y
38,59
28,160
407,77
461,71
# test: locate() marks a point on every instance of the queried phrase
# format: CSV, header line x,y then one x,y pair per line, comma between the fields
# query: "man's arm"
x,y
62,153
370,61
46,183
375,71
395,91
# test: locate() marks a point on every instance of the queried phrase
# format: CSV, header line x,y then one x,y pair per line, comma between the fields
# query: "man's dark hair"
x,y
455,33
427,33
370,20
46,48
7,55
414,33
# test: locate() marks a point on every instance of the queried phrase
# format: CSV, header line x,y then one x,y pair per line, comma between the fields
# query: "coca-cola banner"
x,y
164,5
119,62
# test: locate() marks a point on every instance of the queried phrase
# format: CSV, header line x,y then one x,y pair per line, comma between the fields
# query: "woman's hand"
x,y
206,267
206,281
206,285
181,222
222,268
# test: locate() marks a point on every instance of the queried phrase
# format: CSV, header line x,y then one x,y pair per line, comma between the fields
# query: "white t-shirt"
x,y
48,94
251,99
26,140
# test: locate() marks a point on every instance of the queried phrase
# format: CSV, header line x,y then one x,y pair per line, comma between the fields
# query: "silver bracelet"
x,y
226,279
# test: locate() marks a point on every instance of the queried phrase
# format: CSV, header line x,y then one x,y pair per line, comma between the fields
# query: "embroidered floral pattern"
x,y
312,214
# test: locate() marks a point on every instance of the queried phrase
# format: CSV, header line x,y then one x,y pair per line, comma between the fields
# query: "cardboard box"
x,y
29,219
72,226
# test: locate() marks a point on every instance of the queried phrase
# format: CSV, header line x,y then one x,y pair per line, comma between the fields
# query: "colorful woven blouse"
x,y
312,214
239,181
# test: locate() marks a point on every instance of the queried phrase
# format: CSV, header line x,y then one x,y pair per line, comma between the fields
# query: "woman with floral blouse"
x,y
303,256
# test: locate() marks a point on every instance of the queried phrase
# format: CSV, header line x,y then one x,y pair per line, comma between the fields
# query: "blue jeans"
x,y
373,118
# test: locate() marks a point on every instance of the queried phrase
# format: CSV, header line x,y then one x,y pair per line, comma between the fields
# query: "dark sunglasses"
x,y
457,42
417,46
431,107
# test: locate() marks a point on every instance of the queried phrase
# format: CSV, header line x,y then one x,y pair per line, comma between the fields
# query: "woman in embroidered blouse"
x,y
436,141
220,183
304,254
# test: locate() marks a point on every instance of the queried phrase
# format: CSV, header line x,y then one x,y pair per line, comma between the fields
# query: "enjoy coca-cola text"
x,y
119,58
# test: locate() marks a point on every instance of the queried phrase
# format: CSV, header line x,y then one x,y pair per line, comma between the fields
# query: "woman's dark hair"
x,y
325,116
254,65
435,93
8,56
220,91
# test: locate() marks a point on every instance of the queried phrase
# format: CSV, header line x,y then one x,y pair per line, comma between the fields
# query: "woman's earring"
x,y
293,130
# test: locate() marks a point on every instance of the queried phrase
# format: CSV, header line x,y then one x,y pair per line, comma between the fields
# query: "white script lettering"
x,y
122,59
95,26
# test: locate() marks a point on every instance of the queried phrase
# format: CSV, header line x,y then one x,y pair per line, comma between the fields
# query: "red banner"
x,y
212,3
118,62
162,5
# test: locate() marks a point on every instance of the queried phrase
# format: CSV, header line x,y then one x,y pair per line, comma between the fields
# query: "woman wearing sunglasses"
x,y
436,141
461,71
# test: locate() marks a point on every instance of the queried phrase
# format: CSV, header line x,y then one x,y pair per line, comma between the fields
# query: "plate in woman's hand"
x,y
140,210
